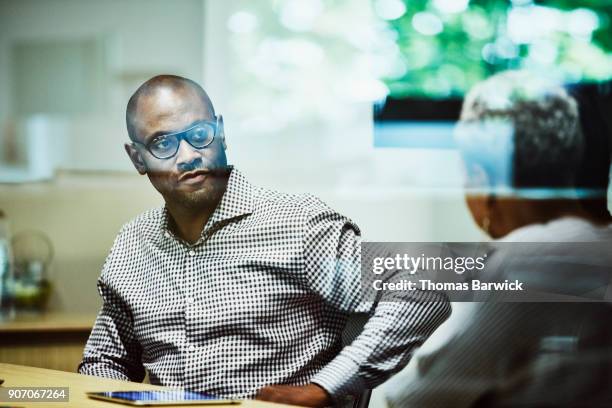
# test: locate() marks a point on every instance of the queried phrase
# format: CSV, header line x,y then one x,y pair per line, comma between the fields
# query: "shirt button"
x,y
191,348
191,253
189,300
167,234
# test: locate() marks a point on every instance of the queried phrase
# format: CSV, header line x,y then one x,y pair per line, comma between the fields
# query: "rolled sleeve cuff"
x,y
340,378
102,370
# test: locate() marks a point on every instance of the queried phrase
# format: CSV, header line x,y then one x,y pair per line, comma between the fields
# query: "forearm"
x,y
399,322
107,368
112,349
384,347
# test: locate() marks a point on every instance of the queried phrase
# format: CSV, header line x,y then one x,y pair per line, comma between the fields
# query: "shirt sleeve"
x,y
482,355
396,326
112,349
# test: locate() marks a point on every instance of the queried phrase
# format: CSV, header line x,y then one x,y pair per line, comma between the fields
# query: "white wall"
x,y
139,38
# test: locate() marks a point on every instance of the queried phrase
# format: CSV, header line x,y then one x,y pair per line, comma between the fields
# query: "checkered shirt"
x,y
261,298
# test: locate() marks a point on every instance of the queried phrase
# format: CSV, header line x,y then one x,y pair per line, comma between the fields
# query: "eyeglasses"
x,y
199,136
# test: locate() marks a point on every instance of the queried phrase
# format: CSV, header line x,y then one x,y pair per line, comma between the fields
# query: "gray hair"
x,y
547,138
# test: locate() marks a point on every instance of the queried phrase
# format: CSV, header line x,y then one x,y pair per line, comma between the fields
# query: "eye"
x,y
161,143
200,136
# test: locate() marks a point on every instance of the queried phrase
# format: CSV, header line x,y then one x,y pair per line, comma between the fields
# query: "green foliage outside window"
x,y
444,53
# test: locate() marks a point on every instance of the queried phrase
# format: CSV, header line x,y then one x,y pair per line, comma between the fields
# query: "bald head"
x,y
163,96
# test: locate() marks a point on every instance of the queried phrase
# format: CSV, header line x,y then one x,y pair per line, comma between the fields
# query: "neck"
x,y
188,221
517,213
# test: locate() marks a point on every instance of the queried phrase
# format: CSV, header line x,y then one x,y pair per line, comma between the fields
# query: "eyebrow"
x,y
166,132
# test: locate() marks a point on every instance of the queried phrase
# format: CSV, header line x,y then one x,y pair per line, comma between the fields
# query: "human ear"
x,y
493,218
136,158
221,132
477,206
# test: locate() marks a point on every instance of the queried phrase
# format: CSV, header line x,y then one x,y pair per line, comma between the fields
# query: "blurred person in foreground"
x,y
530,353
233,289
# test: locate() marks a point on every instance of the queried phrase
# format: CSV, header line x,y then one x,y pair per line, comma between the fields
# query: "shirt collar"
x,y
235,202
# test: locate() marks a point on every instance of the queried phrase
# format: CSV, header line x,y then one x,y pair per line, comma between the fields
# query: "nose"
x,y
186,156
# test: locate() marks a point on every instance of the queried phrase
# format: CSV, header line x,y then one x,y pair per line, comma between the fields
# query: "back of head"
x,y
594,103
546,142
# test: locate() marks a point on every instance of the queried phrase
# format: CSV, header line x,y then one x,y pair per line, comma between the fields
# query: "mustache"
x,y
217,171
212,171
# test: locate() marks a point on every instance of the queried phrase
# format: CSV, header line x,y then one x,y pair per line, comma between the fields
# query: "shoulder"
x,y
144,224
297,202
132,236
566,229
306,207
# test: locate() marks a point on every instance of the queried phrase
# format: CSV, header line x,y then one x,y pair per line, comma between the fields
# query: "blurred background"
x,y
353,101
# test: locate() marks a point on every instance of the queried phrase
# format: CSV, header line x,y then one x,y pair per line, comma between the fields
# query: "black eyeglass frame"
x,y
182,135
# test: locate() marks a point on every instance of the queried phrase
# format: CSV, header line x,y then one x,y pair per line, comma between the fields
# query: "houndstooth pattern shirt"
x,y
262,298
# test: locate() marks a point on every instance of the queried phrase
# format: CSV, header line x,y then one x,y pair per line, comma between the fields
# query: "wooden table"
x,y
22,376
49,340
48,322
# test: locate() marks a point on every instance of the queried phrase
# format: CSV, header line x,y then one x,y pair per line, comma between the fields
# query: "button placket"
x,y
191,339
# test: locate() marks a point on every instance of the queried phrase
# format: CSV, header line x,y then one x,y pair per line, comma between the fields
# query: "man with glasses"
x,y
233,289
